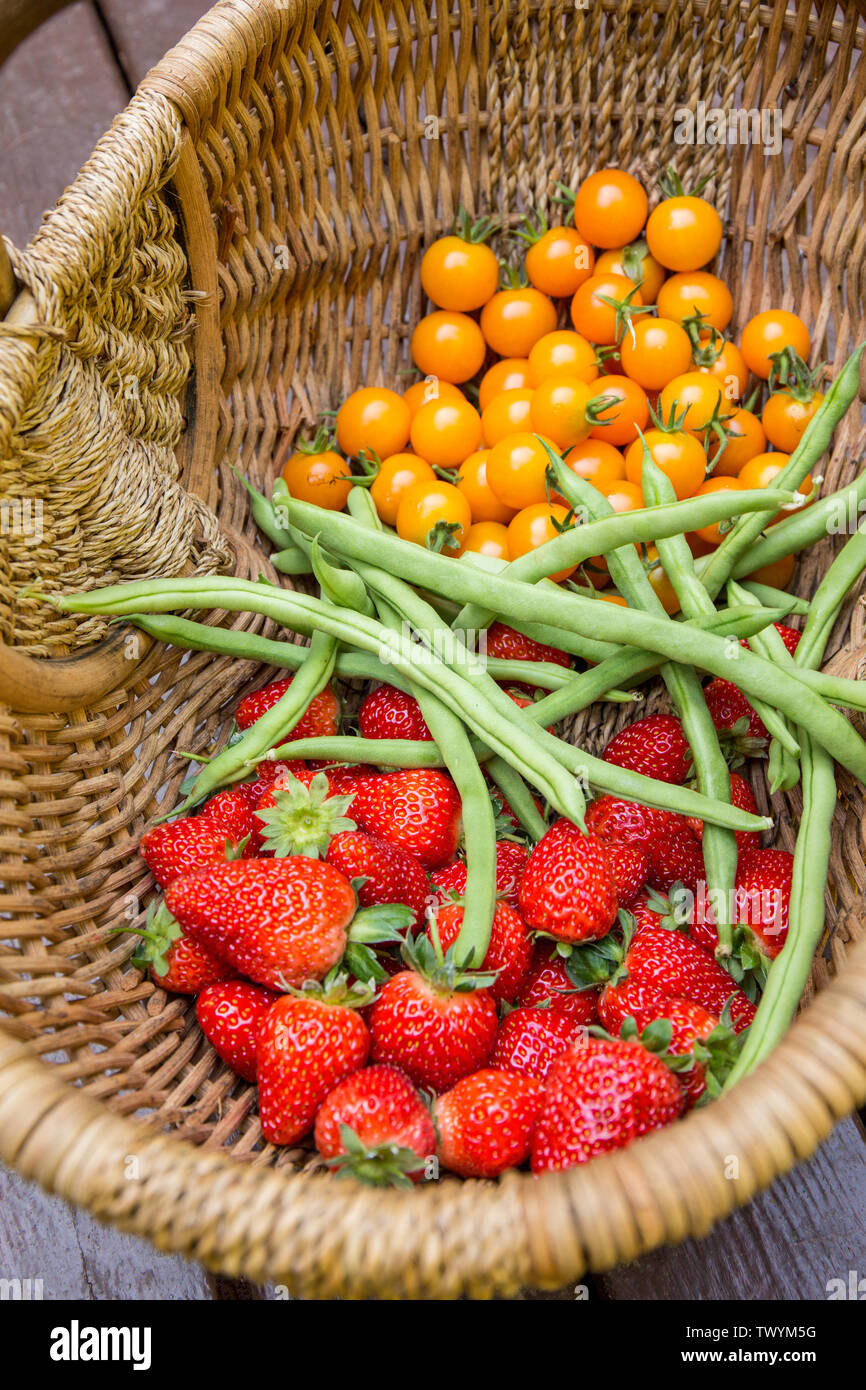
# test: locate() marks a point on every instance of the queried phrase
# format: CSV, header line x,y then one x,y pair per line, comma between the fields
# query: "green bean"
x,y
263,515
291,561
784,770
845,569
351,748
517,796
776,598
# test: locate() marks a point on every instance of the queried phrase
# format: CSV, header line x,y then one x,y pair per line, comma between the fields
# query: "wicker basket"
x,y
240,251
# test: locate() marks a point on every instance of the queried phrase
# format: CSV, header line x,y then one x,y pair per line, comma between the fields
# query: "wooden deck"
x,y
58,92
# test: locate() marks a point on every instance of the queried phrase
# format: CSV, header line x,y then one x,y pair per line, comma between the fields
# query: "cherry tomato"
x,y
430,388
762,470
778,575
614,598
515,470
656,350
728,368
458,274
636,264
375,419
594,318
784,418
620,422
446,432
472,482
488,538
679,455
447,345
711,534
559,262
513,321
684,233
509,374
320,478
562,354
660,584
694,395
696,292
610,208
534,525
559,410
597,461
770,332
697,545
431,507
507,413
746,439
395,476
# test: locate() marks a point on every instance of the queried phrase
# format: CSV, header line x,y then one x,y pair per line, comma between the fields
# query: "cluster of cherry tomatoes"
x,y
458,460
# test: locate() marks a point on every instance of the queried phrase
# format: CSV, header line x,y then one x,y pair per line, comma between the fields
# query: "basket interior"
x,y
332,147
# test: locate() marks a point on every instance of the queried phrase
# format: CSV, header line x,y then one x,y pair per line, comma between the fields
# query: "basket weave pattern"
x,y
272,186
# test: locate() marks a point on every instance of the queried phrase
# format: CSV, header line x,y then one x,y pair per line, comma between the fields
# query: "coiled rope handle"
x,y
324,1238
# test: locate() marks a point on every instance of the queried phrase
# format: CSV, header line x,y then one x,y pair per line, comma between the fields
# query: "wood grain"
x,y
144,30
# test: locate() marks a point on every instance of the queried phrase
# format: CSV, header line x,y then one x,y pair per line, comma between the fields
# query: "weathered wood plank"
x,y
145,30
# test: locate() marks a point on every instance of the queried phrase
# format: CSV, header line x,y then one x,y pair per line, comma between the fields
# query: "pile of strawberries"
x,y
313,910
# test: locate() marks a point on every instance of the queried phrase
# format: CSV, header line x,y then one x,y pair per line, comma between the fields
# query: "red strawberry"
x,y
391,874
321,718
675,857
509,951
612,818
655,746
510,645
279,921
732,714
306,1046
601,1096
433,1025
267,772
567,889
176,962
741,796
230,811
529,1040
375,1126
680,968
390,713
763,889
548,985
691,1025
511,858
295,817
486,1123
629,866
182,846
417,808
229,1015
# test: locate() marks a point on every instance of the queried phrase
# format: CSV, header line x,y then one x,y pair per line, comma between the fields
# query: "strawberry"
x,y
601,1096
529,1040
629,866
486,1123
434,1021
229,1014
376,1127
763,889
741,796
655,746
612,818
732,714
693,1032
320,719
306,1046
295,818
267,772
417,808
511,857
508,954
680,968
567,888
230,811
279,921
675,857
182,846
510,645
549,986
390,713
390,874
176,962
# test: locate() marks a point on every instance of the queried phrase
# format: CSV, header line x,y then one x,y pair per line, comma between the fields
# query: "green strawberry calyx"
x,y
303,820
156,938
601,962
384,925
377,1165
441,969
714,1055
337,989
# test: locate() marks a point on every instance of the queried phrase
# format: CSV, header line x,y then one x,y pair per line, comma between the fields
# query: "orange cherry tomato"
x,y
684,233
711,534
769,333
488,538
597,461
532,527
559,410
446,432
559,262
784,418
513,321
516,469
374,419
472,482
562,354
320,478
507,413
458,274
728,368
696,292
746,439
449,346
660,584
654,351
778,575
430,388
762,471
434,514
610,208
395,476
679,455
509,374
620,422
697,545
614,598
636,263
596,319
693,395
